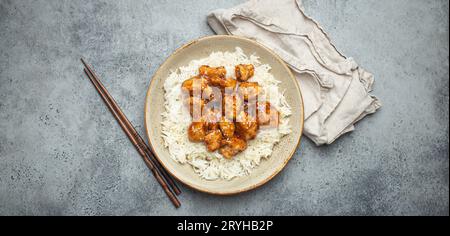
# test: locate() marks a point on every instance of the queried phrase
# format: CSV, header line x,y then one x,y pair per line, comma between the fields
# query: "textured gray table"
x,y
61,151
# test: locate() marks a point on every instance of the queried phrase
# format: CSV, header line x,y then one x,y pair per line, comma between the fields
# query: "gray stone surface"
x,y
61,151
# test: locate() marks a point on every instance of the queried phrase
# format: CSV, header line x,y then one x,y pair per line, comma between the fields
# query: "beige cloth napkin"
x,y
335,89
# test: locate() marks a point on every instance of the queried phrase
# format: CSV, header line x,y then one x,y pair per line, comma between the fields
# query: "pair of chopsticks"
x,y
163,178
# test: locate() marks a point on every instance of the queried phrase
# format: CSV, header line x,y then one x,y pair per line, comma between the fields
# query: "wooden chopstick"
x,y
130,127
135,141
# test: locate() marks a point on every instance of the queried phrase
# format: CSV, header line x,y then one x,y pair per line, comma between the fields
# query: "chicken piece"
x,y
232,146
196,84
251,108
212,126
228,83
213,99
244,72
210,72
195,104
246,126
216,76
249,90
213,140
227,127
267,115
231,106
197,131
215,80
208,94
223,82
212,118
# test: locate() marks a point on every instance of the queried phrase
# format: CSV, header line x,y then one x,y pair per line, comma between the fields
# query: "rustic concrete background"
x,y
62,153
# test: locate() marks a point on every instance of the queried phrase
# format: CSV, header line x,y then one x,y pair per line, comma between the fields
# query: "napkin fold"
x,y
335,90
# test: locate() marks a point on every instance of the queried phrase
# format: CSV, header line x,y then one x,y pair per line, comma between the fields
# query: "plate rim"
x,y
254,186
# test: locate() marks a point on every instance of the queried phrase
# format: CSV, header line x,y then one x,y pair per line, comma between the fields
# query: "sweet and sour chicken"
x,y
213,140
267,114
197,131
228,128
231,147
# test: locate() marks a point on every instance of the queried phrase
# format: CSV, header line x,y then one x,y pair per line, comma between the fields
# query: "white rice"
x,y
176,120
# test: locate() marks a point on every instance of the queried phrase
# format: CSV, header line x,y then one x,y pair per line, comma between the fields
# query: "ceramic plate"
x,y
282,152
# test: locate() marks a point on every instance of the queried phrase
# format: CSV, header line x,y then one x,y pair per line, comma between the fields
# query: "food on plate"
x,y
232,146
246,126
228,83
212,117
194,104
267,114
224,114
249,90
231,105
244,72
235,121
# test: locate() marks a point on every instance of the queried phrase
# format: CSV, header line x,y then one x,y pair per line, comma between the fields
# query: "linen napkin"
x,y
335,89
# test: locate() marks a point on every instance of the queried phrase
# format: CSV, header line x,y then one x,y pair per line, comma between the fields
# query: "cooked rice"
x,y
176,119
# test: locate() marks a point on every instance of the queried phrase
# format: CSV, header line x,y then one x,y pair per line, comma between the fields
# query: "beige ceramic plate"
x,y
282,152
